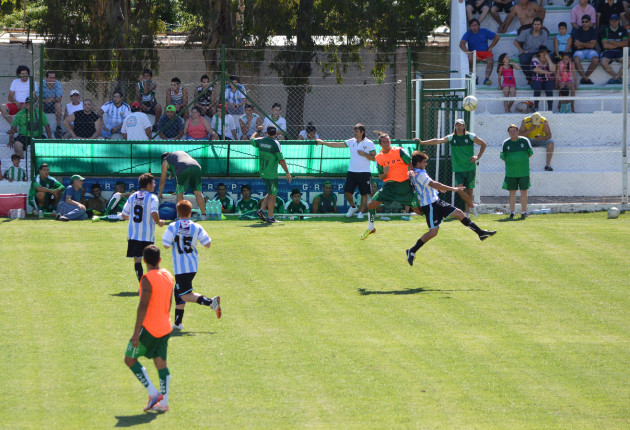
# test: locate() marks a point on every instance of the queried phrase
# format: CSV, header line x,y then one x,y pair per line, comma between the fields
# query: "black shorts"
x,y
136,247
49,108
477,9
183,285
503,7
436,212
358,179
150,107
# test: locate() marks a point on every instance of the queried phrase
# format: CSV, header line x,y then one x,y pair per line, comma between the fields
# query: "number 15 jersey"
x,y
182,236
139,208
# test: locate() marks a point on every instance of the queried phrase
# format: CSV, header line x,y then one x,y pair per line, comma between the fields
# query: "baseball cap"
x,y
135,105
73,92
536,118
169,108
614,16
327,182
460,121
271,130
220,106
295,191
75,177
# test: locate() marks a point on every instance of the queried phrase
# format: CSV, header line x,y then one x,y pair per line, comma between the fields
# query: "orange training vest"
x,y
398,170
157,321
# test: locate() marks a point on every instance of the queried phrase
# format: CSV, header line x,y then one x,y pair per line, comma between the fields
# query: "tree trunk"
x,y
218,30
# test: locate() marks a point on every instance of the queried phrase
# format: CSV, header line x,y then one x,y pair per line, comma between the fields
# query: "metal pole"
x,y
624,140
40,96
418,105
223,93
409,93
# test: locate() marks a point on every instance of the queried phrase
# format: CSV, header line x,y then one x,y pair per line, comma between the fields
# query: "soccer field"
x,y
528,329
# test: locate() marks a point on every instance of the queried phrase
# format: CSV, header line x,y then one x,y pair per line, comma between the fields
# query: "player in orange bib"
x,y
153,328
392,164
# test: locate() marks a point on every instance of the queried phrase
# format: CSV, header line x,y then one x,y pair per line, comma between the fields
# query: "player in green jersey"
x,y
246,203
45,191
325,202
115,205
227,202
516,153
296,205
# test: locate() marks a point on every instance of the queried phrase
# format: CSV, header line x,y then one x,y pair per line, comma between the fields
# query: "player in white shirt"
x,y
142,212
183,235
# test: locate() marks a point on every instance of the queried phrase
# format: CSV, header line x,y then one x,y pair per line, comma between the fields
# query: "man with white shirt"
x,y
136,125
280,123
18,93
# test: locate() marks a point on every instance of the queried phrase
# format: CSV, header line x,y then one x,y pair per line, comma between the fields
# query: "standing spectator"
x,y
566,77
607,8
145,92
15,172
171,130
75,105
481,7
187,176
581,9
45,191
309,132
84,123
249,122
362,151
296,205
516,153
526,12
613,38
97,203
18,93
505,70
585,43
477,40
543,71
227,202
25,129
528,43
246,203
235,97
70,207
536,128
177,96
279,122
500,6
136,125
206,102
51,99
198,127
325,202
217,124
116,111
562,42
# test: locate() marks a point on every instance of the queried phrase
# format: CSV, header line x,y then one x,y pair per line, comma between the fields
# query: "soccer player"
x,y
115,205
153,328
246,203
182,236
270,155
187,175
516,152
45,191
393,168
142,212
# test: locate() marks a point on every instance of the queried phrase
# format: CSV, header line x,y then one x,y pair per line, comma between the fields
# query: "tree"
x,y
212,27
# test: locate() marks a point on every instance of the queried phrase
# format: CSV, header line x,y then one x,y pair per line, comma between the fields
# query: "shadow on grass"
x,y
511,219
365,292
261,224
180,333
126,294
134,420
8,220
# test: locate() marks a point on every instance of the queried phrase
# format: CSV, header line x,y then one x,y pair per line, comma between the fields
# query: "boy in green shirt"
x,y
516,153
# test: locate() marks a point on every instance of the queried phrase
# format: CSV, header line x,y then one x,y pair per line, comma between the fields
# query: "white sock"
x,y
117,216
150,388
370,226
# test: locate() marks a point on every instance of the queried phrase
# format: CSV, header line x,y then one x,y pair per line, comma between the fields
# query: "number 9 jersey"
x,y
139,208
182,236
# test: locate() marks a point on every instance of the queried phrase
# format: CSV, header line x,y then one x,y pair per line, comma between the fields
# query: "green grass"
x,y
529,329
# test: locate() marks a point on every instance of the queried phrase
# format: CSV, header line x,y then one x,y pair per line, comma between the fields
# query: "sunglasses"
x,y
583,21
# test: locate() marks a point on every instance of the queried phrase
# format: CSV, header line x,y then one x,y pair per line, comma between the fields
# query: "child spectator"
x,y
505,70
15,172
565,106
562,42
566,77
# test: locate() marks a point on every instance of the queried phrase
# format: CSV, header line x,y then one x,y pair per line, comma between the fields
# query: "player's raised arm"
x,y
435,141
331,144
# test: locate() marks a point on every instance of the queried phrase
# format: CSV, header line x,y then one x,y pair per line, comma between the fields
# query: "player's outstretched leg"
x,y
483,234
411,252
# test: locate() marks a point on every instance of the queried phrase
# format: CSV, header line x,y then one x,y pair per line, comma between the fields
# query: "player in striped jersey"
x,y
182,235
433,208
15,172
142,212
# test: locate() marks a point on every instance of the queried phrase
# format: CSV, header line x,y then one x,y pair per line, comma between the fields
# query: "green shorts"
x,y
189,179
467,179
400,192
150,346
272,186
522,183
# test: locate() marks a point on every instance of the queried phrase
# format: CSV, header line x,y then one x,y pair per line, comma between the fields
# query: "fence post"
x,y
409,93
41,91
624,143
222,92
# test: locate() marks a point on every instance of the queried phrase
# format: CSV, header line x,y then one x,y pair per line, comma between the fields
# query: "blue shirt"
x,y
74,194
421,181
562,42
478,41
173,129
183,236
53,92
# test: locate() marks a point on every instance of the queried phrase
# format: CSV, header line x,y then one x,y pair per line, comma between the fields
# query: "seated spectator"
x,y
97,203
178,97
543,71
280,122
500,6
613,38
477,40
84,123
74,105
474,7
536,128
585,43
45,191
325,202
21,124
18,93
581,9
136,125
15,172
309,133
235,97
296,205
171,130
249,122
528,43
566,79
526,11
607,8
198,127
145,92
217,124
206,103
246,203
51,99
227,202
116,111
70,207
562,42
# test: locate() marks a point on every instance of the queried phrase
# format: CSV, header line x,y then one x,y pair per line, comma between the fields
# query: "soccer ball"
x,y
470,103
613,213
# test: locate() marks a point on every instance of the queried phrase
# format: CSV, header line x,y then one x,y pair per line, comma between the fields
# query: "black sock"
x,y
139,271
417,246
203,300
179,316
471,225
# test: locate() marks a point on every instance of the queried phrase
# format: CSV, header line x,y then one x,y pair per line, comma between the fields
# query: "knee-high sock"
x,y
141,373
165,382
371,218
139,271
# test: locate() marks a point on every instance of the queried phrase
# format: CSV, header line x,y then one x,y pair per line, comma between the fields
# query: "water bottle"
x,y
405,218
543,211
41,214
213,210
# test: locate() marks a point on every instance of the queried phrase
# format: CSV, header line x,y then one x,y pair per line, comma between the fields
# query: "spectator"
x,y
613,38
581,9
15,172
145,92
198,127
235,97
18,94
249,122
97,203
543,76
171,130
515,153
562,42
227,202
309,133
187,174
585,43
607,8
75,105
505,70
528,43
25,129
217,124
481,7
246,203
136,125
566,77
500,6
565,106
536,128
45,191
51,99
526,11
296,205
178,97
325,202
70,207
116,111
477,40
87,123
206,102
278,122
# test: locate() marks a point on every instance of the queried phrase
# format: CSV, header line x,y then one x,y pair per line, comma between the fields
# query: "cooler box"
x,y
11,201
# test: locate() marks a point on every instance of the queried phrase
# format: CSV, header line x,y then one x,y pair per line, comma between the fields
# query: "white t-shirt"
x,y
280,121
135,126
73,108
21,89
359,163
217,125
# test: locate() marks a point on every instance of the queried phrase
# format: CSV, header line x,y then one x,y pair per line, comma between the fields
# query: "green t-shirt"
x,y
292,208
243,206
226,202
516,155
279,206
21,122
50,183
115,204
327,205
462,148
269,155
